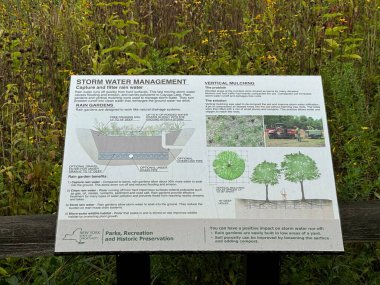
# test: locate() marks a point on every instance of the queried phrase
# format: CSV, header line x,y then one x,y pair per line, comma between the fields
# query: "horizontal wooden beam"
x,y
360,221
27,236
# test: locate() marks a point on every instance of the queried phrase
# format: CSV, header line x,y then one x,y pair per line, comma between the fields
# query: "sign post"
x,y
197,163
133,268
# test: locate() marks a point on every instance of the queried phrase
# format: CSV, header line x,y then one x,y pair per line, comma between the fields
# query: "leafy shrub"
x,y
354,133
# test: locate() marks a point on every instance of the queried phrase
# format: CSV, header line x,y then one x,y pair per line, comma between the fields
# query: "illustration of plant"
x,y
113,129
298,167
266,173
228,165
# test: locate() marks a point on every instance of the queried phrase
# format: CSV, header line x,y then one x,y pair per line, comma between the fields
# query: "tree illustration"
x,y
298,167
266,173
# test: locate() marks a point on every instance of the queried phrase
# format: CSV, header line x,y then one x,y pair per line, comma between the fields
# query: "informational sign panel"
x,y
197,163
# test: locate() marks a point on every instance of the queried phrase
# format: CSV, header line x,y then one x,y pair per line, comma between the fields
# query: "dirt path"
x,y
305,142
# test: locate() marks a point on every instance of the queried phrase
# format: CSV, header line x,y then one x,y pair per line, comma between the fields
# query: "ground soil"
x,y
305,142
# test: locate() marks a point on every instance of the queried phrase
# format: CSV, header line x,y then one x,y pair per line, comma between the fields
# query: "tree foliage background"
x,y
302,122
43,42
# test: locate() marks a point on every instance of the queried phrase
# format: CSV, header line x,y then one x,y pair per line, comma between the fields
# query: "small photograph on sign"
x,y
234,131
293,131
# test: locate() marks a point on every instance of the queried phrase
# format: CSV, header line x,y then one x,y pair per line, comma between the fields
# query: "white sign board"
x,y
197,163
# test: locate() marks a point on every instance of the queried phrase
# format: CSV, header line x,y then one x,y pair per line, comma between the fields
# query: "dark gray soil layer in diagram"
x,y
124,150
136,147
313,209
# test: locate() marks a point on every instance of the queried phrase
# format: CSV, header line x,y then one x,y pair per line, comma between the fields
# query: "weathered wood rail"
x,y
27,236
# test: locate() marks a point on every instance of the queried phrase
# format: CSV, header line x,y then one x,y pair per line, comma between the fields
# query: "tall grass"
x,y
43,42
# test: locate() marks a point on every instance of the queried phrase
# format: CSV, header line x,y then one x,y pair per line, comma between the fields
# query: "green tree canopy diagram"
x,y
266,173
228,165
298,167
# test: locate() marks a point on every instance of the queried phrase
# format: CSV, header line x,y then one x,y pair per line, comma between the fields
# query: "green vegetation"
x,y
266,173
302,122
228,165
59,270
113,129
43,42
235,131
